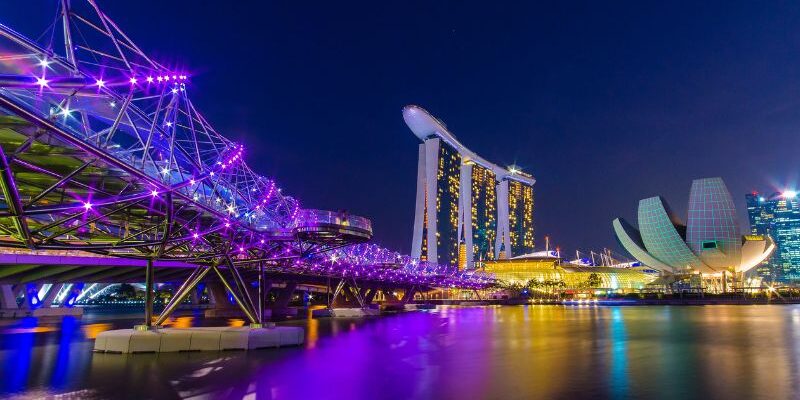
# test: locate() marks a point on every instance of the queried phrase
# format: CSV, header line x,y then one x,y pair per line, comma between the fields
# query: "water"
x,y
511,352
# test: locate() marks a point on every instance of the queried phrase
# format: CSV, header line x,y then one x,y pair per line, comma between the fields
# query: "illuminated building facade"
x,y
777,216
520,217
483,205
549,269
710,243
482,210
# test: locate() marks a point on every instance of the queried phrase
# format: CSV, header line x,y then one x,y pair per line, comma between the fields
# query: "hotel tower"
x,y
467,209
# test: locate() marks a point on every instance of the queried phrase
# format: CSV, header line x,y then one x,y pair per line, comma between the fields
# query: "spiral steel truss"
x,y
102,150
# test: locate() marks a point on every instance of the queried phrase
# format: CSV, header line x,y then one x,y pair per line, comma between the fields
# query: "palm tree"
x,y
594,280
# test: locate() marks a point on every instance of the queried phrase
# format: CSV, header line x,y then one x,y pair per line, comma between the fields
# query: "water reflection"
x,y
90,331
235,322
481,352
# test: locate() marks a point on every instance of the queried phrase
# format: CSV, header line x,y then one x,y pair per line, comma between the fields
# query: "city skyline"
x,y
777,215
238,225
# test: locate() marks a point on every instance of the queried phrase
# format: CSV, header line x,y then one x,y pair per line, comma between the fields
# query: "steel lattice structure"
x,y
102,150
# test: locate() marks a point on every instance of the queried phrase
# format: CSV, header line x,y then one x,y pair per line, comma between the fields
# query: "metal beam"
x,y
235,297
149,293
181,293
11,195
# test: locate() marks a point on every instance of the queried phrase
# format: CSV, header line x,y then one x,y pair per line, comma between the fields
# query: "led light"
x,y
169,124
165,171
87,206
191,181
789,194
100,83
113,104
154,193
160,79
174,90
41,81
133,81
66,112
44,63
195,236
149,79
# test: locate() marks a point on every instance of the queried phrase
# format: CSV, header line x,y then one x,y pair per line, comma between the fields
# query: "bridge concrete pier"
x,y
370,295
195,297
281,305
221,307
8,301
390,296
408,295
10,309
30,293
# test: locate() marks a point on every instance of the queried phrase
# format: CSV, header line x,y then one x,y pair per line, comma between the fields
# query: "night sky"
x,y
604,104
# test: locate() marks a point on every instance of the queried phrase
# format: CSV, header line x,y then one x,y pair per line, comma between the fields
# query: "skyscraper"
x,y
465,202
778,216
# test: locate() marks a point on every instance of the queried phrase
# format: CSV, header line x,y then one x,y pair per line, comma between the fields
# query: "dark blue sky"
x,y
604,103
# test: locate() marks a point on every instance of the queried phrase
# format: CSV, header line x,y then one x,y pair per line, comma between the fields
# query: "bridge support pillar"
x,y
408,295
370,295
390,296
31,292
18,289
149,294
222,306
285,296
265,286
187,288
348,297
8,300
218,295
195,296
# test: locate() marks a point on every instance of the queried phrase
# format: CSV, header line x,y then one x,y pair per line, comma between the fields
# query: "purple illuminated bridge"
x,y
108,173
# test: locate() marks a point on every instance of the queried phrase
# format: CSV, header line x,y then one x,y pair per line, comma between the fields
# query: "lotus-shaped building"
x,y
710,242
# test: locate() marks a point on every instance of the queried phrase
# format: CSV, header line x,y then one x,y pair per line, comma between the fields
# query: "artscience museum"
x,y
710,243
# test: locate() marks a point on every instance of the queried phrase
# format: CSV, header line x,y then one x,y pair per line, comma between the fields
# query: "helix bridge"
x,y
103,154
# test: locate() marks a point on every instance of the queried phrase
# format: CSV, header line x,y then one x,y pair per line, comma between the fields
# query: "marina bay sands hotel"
x,y
467,209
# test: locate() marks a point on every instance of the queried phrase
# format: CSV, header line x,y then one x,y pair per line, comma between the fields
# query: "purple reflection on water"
x,y
460,353
402,356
